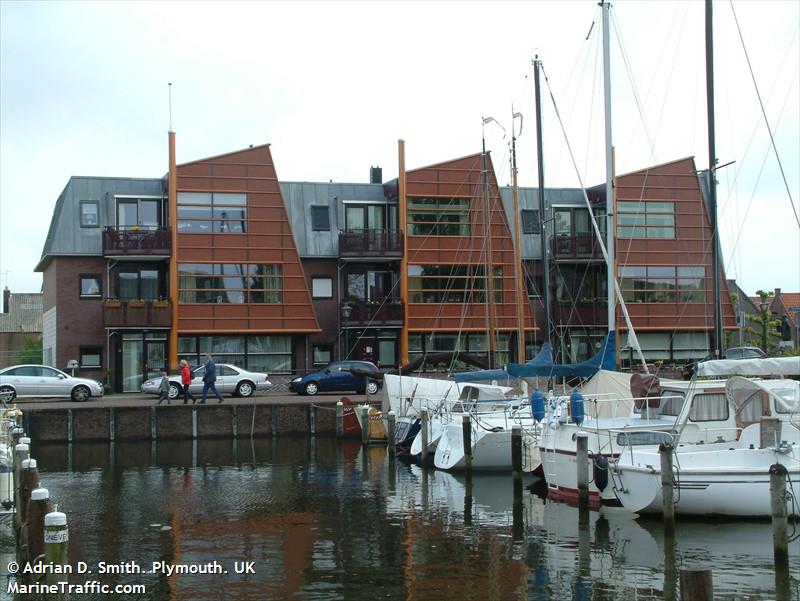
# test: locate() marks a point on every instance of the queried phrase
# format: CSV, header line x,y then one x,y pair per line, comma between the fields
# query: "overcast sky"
x,y
333,86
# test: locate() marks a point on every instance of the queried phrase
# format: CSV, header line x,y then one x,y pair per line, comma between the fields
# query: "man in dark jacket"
x,y
209,379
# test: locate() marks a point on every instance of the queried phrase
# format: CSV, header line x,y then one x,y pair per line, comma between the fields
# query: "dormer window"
x,y
89,213
320,218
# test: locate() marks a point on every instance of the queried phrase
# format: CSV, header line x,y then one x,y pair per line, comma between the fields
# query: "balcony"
x,y
371,243
577,247
583,312
359,314
137,314
130,242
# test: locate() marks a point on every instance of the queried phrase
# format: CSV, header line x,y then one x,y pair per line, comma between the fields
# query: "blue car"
x,y
340,376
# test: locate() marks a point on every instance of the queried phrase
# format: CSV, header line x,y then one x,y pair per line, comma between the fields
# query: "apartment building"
x,y
221,256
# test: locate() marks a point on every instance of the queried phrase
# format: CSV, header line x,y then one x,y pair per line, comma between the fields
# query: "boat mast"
x,y
518,280
488,240
712,182
543,222
611,260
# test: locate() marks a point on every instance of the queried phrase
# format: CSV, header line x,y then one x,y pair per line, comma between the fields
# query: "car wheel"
x,y
174,390
311,388
245,389
80,394
372,387
7,394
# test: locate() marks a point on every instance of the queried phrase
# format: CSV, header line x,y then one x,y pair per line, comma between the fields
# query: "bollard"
x,y
391,427
28,481
582,465
339,419
696,584
25,440
667,487
423,431
21,452
777,495
516,457
38,507
364,410
466,440
16,434
56,537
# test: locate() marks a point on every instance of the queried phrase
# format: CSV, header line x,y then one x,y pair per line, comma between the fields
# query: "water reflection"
x,y
328,521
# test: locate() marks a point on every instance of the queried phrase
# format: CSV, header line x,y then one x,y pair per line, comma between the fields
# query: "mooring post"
x,y
38,507
56,537
582,465
777,495
466,441
21,453
339,419
667,487
391,426
697,584
423,430
516,457
28,481
16,434
364,412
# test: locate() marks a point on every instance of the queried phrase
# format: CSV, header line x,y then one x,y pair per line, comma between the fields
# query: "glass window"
x,y
563,221
320,218
144,284
357,285
709,407
438,216
138,213
91,357
204,213
89,213
90,286
234,283
531,224
671,403
354,218
646,219
451,283
322,287
322,354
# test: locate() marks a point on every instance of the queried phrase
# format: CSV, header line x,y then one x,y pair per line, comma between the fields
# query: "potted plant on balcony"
x,y
161,302
112,303
136,303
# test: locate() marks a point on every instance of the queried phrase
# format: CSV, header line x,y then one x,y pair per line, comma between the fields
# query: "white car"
x,y
230,380
19,381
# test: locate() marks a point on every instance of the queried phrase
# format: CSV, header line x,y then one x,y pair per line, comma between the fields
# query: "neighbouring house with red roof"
x,y
786,307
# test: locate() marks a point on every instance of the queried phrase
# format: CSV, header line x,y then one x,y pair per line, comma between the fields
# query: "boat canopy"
x,y
543,357
771,366
604,359
785,395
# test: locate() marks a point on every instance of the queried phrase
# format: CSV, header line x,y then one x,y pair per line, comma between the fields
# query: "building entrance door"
x,y
141,359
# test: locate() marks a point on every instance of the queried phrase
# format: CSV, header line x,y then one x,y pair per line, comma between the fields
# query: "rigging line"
x,y
591,106
764,113
632,81
631,333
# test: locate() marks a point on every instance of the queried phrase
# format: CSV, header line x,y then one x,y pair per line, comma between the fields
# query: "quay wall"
x,y
177,422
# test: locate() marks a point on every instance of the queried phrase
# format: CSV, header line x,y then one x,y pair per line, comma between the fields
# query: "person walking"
x,y
186,380
209,379
163,388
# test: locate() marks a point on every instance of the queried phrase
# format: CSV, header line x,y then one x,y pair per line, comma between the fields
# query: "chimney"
x,y
6,299
777,292
375,175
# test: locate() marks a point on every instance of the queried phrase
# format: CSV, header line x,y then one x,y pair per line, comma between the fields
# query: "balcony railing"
x,y
578,246
363,313
371,243
138,314
118,242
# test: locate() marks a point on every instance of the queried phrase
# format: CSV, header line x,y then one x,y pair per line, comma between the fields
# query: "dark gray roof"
x,y
24,313
66,236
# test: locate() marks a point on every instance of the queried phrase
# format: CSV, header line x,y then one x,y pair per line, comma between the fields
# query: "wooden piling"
x,y
56,539
339,419
21,452
780,524
28,481
423,431
516,457
582,465
391,426
466,440
38,507
696,584
667,487
364,411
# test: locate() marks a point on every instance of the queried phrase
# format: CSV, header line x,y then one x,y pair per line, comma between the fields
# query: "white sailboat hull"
x,y
711,481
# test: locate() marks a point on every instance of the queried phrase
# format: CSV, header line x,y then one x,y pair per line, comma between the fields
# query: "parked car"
x,y
735,352
20,381
230,380
361,376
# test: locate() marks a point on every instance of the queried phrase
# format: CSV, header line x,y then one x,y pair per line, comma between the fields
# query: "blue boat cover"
x,y
604,359
543,357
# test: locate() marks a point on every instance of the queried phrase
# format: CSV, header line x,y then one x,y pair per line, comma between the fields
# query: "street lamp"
x,y
347,311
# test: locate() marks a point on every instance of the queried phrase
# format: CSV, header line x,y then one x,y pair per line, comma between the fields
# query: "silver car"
x,y
230,380
20,381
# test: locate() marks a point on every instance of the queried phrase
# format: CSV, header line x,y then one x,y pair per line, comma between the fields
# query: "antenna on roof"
x,y
169,88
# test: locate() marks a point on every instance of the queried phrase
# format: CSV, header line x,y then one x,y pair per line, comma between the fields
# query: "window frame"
x,y
86,350
531,223
212,209
96,213
316,216
323,348
321,278
640,226
94,276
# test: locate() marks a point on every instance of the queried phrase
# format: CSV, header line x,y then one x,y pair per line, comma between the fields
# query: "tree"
x,y
31,350
764,328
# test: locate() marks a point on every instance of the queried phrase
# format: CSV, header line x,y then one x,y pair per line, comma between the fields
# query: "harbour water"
x,y
293,518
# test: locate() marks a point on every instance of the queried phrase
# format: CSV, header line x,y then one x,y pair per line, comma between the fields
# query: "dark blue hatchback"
x,y
340,376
